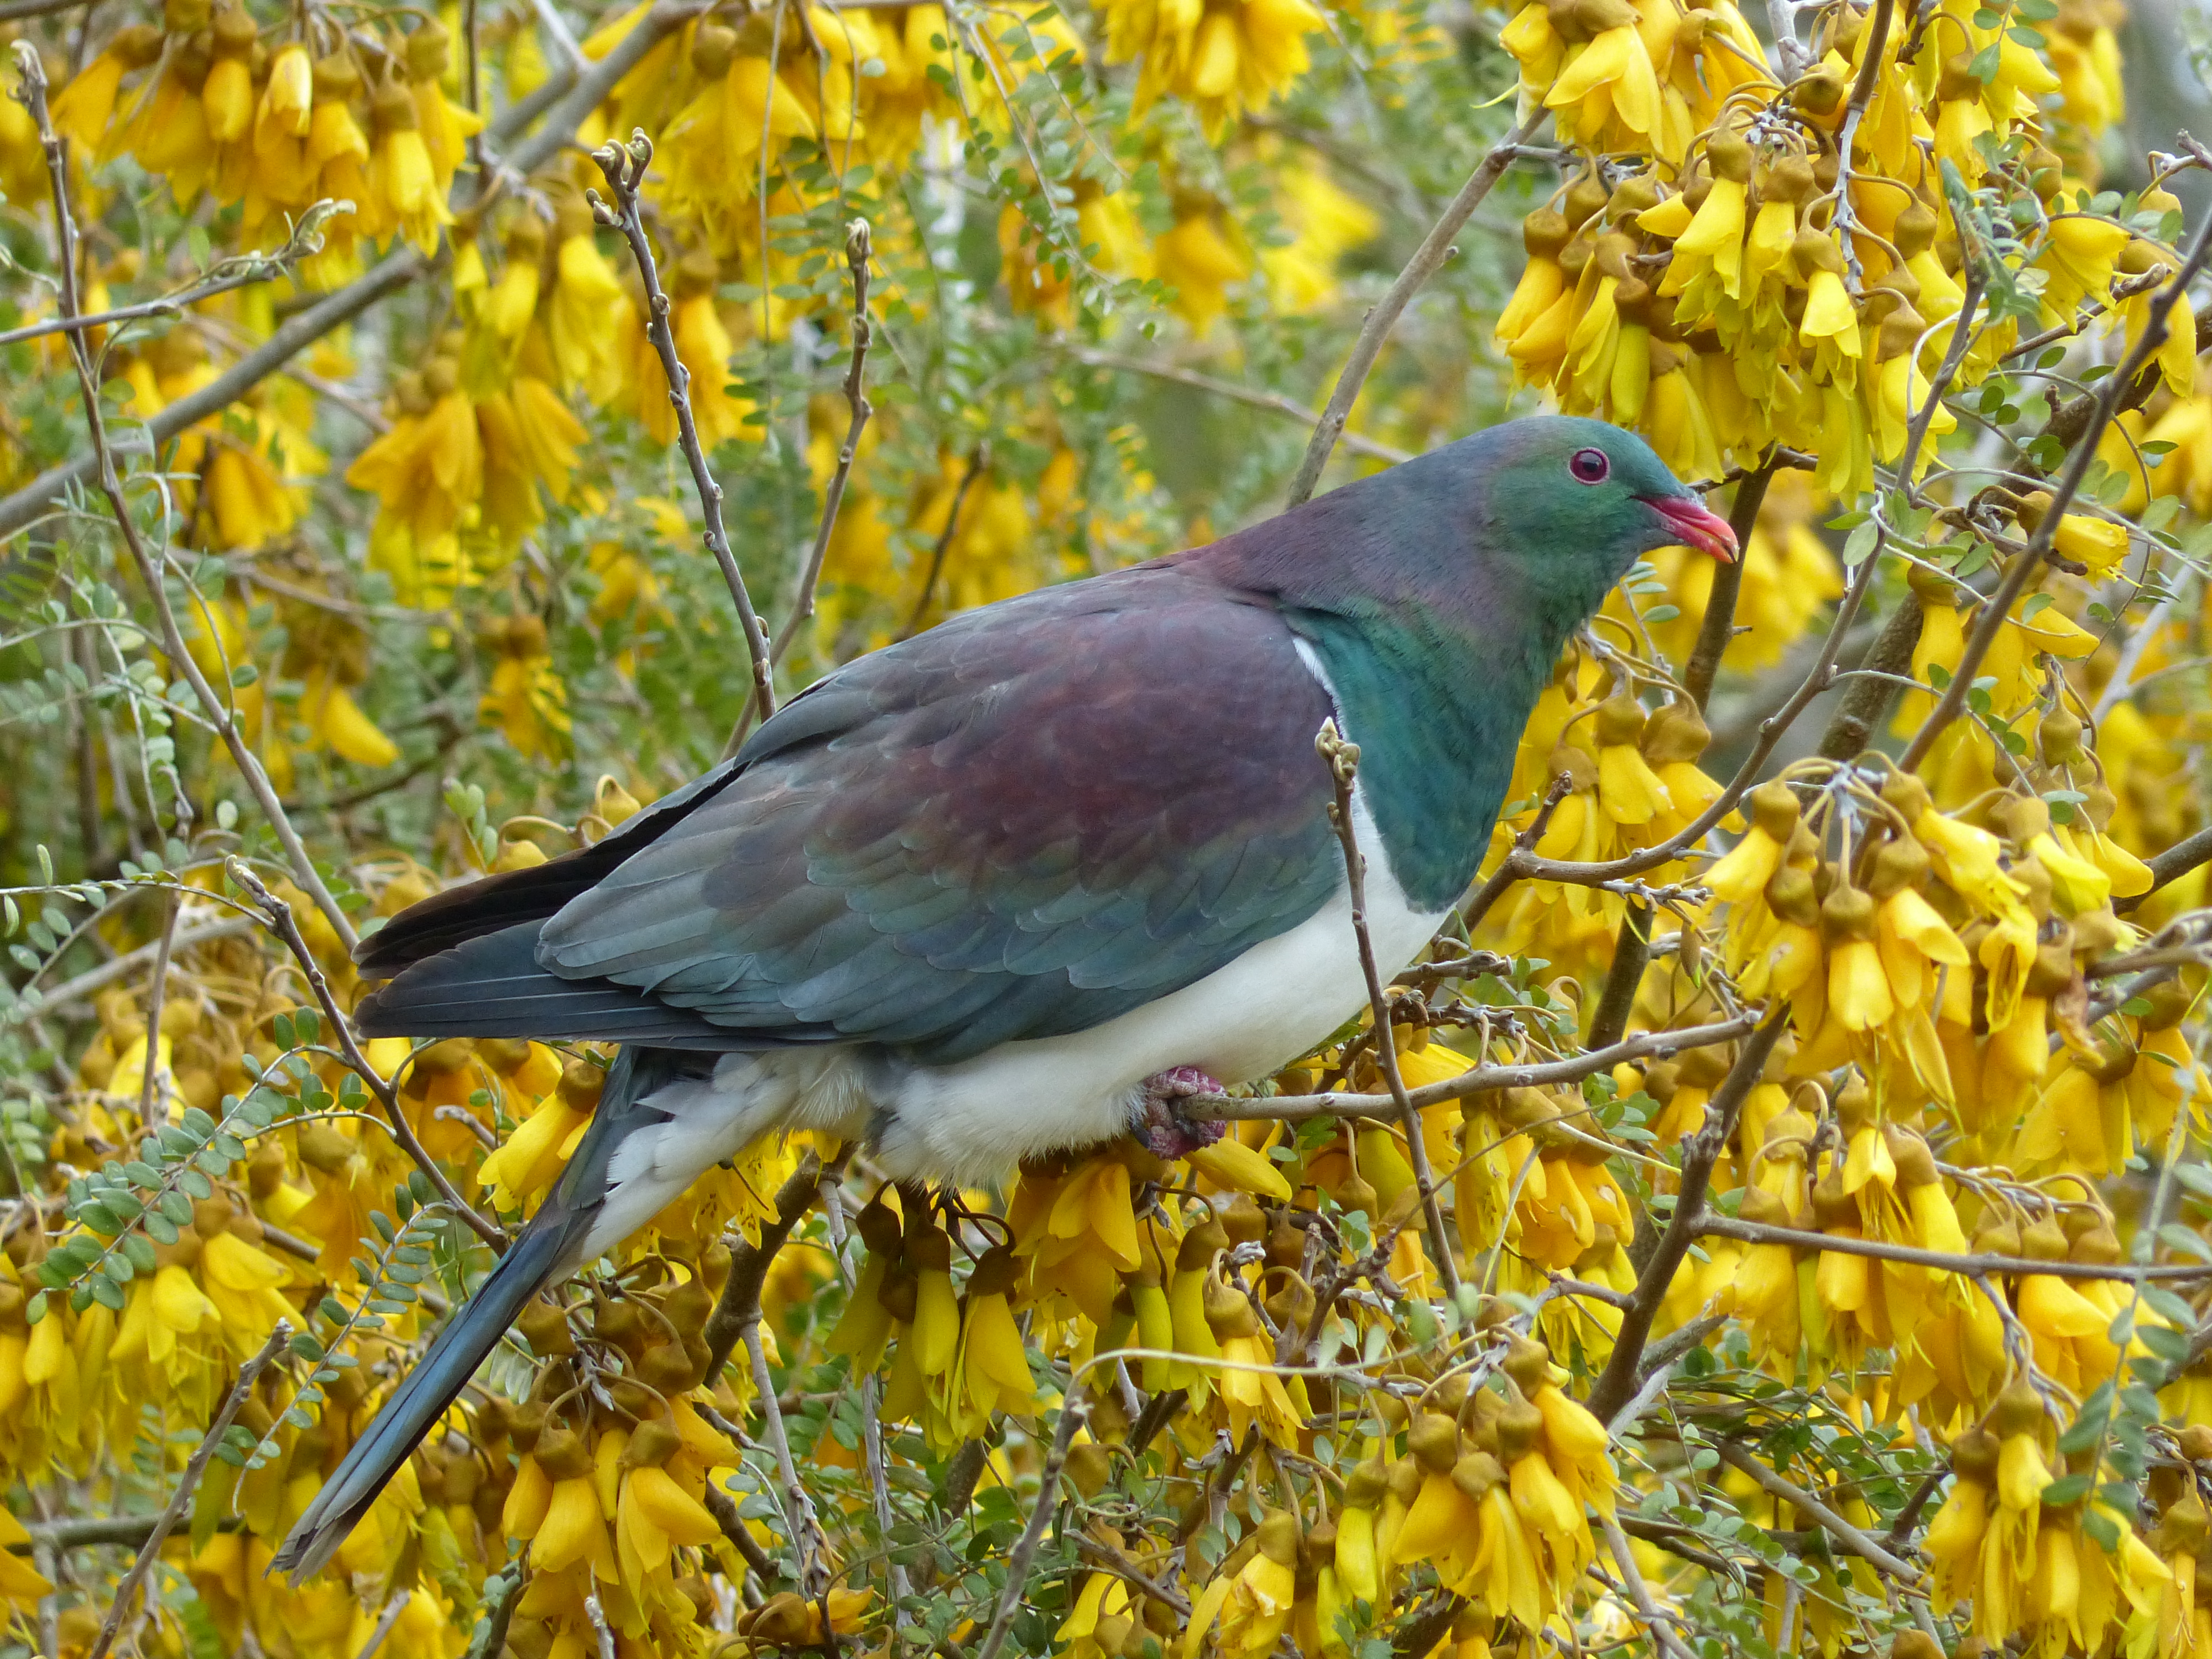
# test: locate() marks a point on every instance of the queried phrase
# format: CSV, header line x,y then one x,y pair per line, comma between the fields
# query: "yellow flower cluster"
x,y
1750,284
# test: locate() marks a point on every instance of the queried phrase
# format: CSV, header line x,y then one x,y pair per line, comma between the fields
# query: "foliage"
x,y
1796,1238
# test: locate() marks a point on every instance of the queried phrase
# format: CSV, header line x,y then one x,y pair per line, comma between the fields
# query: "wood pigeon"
x,y
1021,883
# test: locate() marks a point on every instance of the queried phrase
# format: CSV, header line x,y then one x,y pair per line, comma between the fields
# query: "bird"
x,y
1030,879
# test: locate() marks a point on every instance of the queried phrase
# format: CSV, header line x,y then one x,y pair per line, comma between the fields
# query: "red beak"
x,y
1695,525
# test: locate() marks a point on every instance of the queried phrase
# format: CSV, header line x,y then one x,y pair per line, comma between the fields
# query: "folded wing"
x,y
1021,823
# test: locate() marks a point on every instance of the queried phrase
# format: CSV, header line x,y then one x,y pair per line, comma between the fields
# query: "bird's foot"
x,y
1160,1122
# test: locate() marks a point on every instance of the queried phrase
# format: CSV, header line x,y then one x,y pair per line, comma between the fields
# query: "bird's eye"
x,y
1589,465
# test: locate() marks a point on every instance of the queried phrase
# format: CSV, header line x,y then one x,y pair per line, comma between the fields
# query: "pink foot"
x,y
1159,1121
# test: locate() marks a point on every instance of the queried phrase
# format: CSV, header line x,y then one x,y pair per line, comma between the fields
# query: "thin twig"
x,y
84,984
1478,903
857,254
1073,1413
806,1538
977,463
386,1620
2029,563
244,271
1619,1380
1436,247
1861,708
1639,1593
597,1615
1481,1079
1715,1225
624,167
286,927
1342,758
157,989
1276,403
1871,38
218,711
2177,861
194,1468
1850,1537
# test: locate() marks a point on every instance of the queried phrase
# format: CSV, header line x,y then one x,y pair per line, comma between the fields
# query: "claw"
x,y
1160,1124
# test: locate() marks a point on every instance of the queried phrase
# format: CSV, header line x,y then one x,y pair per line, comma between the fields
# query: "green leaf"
x,y
2067,1489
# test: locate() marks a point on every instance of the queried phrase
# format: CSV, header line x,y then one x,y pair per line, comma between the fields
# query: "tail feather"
x,y
492,986
421,1399
549,1249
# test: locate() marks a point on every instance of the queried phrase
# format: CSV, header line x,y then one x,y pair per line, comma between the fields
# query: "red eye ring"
x,y
1590,466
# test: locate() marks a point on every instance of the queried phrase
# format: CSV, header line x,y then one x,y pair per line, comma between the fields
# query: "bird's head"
x,y
1579,501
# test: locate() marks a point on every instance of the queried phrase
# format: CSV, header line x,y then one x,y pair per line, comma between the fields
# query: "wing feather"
x,y
1023,823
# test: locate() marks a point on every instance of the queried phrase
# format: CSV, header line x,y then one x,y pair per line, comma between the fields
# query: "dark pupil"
x,y
1589,465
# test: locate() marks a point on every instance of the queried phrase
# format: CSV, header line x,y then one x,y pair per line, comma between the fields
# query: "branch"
x,y
856,397
2026,565
389,1617
243,271
1342,759
1278,402
1619,1381
806,1537
738,1307
624,167
1718,626
1427,259
564,113
194,1468
1632,955
2177,861
1861,709
130,962
977,463
1073,1413
1478,903
286,927
1845,215
1715,1225
1850,1537
33,94
1639,1593
1481,1079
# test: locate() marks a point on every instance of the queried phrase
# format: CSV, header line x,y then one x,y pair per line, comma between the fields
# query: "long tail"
x,y
429,1389
548,1249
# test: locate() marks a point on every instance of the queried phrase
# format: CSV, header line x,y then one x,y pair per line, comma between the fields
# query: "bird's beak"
x,y
1695,525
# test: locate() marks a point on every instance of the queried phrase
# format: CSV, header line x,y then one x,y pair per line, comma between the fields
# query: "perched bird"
x,y
1023,882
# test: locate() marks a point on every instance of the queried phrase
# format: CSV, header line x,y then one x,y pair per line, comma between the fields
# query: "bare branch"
x,y
1342,758
624,167
1481,1079
1619,1380
2027,564
1718,627
286,927
194,1468
1714,1225
1427,260
857,254
1072,1415
1850,1537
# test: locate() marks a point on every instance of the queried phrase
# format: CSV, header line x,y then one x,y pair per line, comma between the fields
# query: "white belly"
x,y
974,1121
